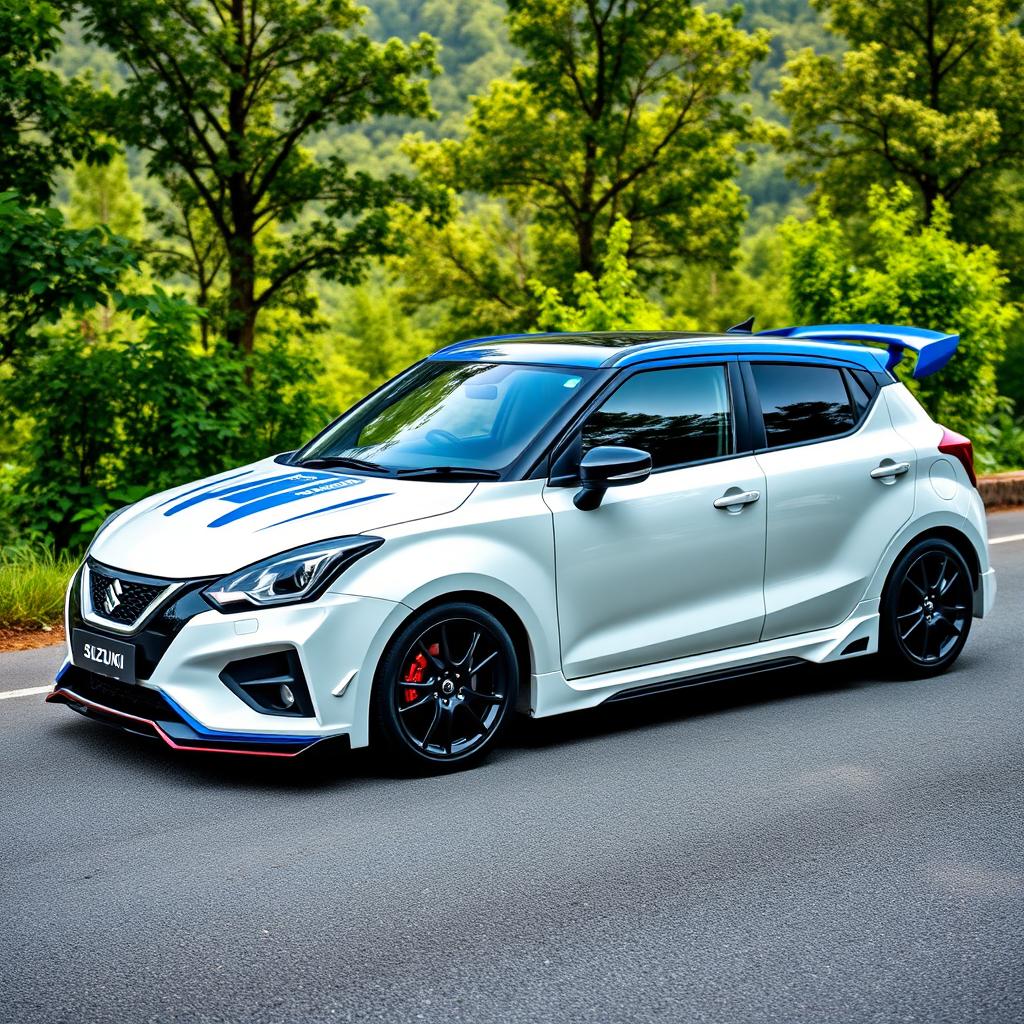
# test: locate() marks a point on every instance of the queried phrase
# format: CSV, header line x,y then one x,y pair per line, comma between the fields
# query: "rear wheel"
x,y
927,608
445,687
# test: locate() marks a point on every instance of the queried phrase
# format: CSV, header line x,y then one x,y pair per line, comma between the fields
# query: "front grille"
x,y
111,693
119,599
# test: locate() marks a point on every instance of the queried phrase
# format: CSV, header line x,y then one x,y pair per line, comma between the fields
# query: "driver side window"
x,y
680,416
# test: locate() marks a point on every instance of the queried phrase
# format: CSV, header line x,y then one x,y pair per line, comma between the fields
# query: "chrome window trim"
x,y
90,614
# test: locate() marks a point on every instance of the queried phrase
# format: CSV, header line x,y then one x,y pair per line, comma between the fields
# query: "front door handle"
x,y
735,500
889,469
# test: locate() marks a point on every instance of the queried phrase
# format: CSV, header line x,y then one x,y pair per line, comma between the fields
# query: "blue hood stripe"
x,y
221,492
278,484
307,490
203,487
330,508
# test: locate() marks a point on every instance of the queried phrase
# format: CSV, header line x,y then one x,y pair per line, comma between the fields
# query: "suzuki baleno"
x,y
541,523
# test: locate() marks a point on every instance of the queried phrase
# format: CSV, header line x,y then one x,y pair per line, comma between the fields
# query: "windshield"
x,y
449,416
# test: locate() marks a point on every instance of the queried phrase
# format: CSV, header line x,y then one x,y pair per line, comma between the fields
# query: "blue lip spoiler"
x,y
933,349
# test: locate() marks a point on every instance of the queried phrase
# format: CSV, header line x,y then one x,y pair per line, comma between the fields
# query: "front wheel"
x,y
927,608
445,687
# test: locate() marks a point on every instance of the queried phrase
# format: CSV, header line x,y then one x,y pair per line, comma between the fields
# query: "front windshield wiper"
x,y
449,472
343,462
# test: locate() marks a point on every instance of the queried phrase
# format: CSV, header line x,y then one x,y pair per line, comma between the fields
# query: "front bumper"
x,y
152,714
182,699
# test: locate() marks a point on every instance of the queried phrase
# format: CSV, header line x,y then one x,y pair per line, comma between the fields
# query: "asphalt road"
x,y
820,845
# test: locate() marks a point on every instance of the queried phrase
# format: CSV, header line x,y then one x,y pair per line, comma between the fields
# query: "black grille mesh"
x,y
134,597
135,700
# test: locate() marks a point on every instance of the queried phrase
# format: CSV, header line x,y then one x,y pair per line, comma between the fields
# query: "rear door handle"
x,y
889,469
735,501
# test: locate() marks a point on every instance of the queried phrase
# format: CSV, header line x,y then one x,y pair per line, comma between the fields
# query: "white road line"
x,y
1006,540
27,692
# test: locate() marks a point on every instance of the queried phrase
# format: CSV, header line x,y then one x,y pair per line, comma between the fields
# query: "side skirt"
x,y
551,693
702,680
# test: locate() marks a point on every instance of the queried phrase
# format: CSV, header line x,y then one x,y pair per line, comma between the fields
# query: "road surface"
x,y
821,845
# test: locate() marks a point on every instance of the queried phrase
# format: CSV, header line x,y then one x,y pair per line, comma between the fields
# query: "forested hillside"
x,y
474,49
226,223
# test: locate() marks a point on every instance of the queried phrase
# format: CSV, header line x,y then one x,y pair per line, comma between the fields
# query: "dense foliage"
x,y
930,94
914,272
220,223
222,98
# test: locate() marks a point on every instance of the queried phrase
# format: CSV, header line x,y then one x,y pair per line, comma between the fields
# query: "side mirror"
x,y
609,466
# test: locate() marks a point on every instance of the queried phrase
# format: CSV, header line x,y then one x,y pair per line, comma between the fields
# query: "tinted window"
x,y
679,416
802,403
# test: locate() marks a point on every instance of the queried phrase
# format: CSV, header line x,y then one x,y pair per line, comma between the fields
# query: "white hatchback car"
x,y
542,523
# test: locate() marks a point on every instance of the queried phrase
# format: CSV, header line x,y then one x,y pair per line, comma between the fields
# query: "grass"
x,y
32,586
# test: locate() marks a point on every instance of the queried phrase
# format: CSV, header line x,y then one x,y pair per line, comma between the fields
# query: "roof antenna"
x,y
747,327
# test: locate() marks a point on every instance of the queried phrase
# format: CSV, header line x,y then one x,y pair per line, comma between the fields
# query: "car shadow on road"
x,y
692,702
331,765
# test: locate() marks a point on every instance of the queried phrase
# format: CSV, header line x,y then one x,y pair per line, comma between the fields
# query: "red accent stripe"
x,y
72,696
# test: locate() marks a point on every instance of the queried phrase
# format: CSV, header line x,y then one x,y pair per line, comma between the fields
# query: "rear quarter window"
x,y
803,403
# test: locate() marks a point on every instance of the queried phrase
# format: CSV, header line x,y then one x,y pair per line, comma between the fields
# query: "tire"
x,y
927,609
441,698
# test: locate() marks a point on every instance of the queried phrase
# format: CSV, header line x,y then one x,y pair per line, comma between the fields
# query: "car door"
x,y
657,571
840,485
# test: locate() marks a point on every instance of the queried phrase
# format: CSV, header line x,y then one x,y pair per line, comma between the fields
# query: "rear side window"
x,y
862,387
802,403
678,415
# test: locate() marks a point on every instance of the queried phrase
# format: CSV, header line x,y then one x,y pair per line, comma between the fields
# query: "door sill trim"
x,y
703,679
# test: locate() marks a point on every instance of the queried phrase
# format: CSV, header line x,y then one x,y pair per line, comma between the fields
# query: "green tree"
x,y
41,124
108,418
103,194
612,302
471,274
912,273
619,109
224,96
367,339
47,269
929,93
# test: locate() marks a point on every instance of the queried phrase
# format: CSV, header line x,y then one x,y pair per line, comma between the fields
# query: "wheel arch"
x,y
503,612
957,538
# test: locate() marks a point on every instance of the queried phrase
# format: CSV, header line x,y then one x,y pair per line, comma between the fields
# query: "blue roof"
x,y
616,349
630,348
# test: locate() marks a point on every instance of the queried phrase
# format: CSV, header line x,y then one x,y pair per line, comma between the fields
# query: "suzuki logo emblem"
x,y
112,596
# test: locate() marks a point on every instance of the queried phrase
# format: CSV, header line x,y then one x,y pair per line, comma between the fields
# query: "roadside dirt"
x,y
25,638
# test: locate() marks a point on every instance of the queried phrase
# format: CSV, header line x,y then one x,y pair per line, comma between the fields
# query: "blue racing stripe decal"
x,y
330,508
203,487
275,486
289,480
308,490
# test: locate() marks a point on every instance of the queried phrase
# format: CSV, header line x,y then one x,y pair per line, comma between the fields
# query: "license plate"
x,y
103,656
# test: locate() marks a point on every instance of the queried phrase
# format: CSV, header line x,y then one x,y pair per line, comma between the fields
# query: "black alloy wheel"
x,y
928,608
445,687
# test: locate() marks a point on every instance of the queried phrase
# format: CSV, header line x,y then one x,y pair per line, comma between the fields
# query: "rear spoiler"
x,y
933,349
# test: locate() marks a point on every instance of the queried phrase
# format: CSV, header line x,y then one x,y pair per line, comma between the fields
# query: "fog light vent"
x,y
272,684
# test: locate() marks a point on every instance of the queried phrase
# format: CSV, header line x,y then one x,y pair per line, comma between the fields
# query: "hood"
x,y
234,519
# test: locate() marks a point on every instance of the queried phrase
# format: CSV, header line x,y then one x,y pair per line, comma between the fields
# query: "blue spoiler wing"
x,y
933,349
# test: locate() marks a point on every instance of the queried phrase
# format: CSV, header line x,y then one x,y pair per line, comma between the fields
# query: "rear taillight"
x,y
959,447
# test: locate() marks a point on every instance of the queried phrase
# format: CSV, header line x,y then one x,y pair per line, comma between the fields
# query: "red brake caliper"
x,y
415,673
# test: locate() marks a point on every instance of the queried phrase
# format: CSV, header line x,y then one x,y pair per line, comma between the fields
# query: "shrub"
x,y
909,273
32,585
111,419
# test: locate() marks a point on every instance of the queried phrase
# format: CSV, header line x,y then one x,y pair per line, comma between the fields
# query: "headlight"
x,y
298,575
